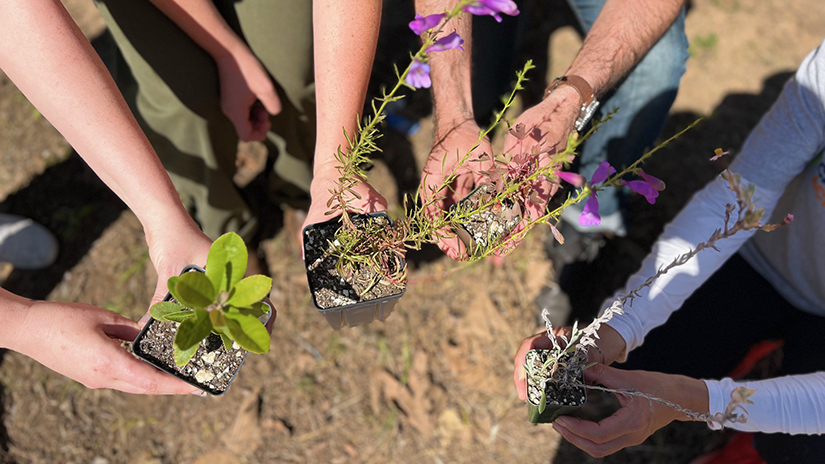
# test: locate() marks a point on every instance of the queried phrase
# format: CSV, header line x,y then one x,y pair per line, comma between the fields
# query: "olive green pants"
x,y
173,89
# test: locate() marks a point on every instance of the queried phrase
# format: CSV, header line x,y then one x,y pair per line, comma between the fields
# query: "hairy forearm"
x,y
345,34
622,34
203,23
46,56
450,70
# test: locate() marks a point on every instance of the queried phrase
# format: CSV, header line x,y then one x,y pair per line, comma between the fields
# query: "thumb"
x,y
269,98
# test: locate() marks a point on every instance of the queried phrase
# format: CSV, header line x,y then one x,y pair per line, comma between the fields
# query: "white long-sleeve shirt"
x,y
782,156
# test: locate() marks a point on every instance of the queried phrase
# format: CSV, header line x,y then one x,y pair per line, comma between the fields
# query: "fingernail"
x,y
200,393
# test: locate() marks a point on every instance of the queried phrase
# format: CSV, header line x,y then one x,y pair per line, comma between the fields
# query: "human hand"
x,y
82,342
610,346
547,126
243,81
638,417
325,180
451,145
173,248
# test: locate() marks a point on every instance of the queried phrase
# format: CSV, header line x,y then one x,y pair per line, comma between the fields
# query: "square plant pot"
x,y
483,229
212,369
337,300
559,402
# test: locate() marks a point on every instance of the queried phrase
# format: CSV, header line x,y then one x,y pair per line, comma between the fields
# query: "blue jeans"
x,y
644,98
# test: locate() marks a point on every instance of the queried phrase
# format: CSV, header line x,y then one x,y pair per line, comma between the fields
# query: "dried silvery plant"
x,y
566,361
219,301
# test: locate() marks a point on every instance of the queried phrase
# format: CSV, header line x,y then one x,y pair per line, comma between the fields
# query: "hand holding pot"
x,y
451,145
365,200
638,418
611,346
173,248
547,126
82,342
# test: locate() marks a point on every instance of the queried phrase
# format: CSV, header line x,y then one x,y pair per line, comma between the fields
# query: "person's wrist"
x,y
694,396
611,344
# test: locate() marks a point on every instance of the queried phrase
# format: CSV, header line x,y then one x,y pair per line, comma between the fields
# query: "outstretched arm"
x,y
456,131
345,34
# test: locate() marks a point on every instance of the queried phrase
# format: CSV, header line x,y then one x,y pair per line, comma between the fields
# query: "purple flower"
x,y
448,42
590,215
649,187
653,181
604,170
423,23
576,180
492,8
419,75
643,188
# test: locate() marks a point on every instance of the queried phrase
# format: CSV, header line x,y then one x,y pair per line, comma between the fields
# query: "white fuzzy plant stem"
x,y
748,217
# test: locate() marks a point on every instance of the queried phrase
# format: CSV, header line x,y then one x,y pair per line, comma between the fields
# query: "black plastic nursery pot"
x,y
488,227
335,299
568,402
212,369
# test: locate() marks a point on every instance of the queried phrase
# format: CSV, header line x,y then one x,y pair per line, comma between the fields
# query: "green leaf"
x,y
194,290
227,342
160,310
182,357
257,310
170,284
193,330
248,331
250,291
543,402
226,263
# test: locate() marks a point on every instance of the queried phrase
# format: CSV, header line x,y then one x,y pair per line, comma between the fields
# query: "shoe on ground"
x,y
26,244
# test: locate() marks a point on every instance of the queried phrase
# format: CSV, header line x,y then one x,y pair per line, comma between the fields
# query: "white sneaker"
x,y
26,244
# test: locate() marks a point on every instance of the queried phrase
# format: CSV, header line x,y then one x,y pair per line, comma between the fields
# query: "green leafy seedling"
x,y
220,301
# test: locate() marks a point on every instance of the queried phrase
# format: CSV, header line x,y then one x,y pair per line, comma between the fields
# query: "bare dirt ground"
x,y
433,383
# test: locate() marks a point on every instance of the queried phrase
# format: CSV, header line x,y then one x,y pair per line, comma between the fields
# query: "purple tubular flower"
x,y
601,173
492,8
424,23
419,75
590,215
576,180
654,182
448,42
644,188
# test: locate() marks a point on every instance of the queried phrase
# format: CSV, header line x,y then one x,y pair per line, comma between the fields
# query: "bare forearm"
x,y
450,70
12,313
46,56
622,34
345,34
203,23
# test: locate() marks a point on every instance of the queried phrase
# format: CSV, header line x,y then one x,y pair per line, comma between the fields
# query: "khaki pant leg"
x,y
279,32
178,105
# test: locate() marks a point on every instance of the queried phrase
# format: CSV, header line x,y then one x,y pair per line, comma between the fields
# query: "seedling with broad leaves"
x,y
219,301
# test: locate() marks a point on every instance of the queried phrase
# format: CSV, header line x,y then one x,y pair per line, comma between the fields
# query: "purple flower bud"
x,y
643,188
419,75
590,215
492,8
654,182
424,23
576,180
448,42
601,173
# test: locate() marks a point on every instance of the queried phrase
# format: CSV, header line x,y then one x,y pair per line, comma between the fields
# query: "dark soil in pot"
x,y
561,399
212,368
486,228
331,290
